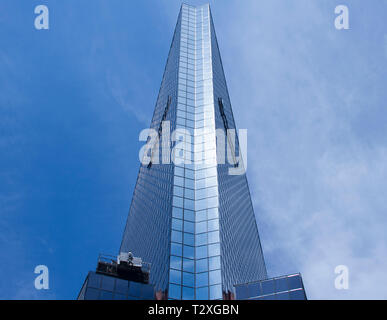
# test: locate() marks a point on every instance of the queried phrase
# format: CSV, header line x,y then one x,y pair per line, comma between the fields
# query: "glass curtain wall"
x,y
195,267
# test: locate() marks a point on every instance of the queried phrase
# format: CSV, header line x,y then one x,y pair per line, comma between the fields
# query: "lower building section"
x,y
121,278
127,278
103,287
288,287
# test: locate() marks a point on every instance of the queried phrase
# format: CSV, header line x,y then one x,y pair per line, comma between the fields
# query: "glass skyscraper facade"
x,y
191,215
288,287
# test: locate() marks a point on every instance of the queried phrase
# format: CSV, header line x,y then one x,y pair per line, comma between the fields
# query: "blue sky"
x,y
74,98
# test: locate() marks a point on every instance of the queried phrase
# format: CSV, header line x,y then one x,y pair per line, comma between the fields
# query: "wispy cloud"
x,y
305,92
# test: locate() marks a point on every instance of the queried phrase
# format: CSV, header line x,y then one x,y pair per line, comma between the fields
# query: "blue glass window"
x,y
106,295
148,292
92,294
201,215
176,249
174,291
108,283
118,296
216,292
176,236
282,296
189,215
213,237
201,252
177,224
94,280
188,265
297,295
214,250
254,289
281,285
268,287
213,213
213,225
294,282
202,293
201,239
214,263
189,227
201,265
188,252
121,286
202,279
189,239
242,292
215,277
201,227
135,289
176,262
177,201
188,293
175,276
177,212
188,279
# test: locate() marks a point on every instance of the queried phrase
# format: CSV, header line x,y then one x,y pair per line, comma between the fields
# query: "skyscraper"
x,y
194,222
191,215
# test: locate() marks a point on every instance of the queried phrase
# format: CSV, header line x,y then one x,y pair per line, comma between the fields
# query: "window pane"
x,y
188,252
213,237
176,262
108,283
215,277
201,252
188,279
216,292
177,236
176,249
254,289
92,294
121,286
175,276
134,289
106,295
177,213
213,225
202,293
94,280
214,263
214,250
201,265
188,293
201,239
297,295
282,296
201,227
294,282
189,215
189,239
281,285
189,227
177,224
174,291
268,287
242,292
188,265
202,279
